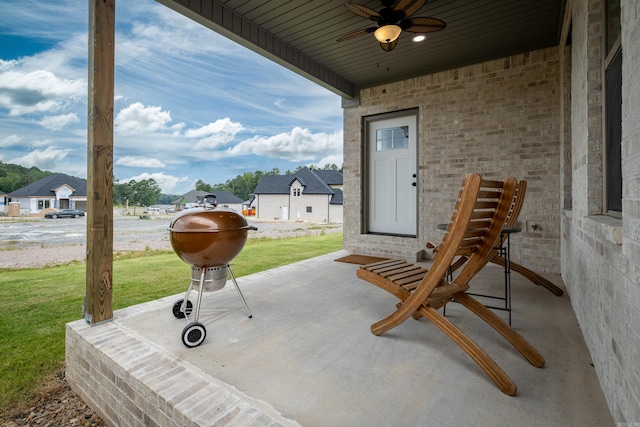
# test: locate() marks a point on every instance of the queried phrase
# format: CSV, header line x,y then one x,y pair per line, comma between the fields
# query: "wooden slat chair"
x,y
512,220
481,211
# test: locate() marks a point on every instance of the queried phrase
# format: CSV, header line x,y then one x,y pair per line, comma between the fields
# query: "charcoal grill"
x,y
208,238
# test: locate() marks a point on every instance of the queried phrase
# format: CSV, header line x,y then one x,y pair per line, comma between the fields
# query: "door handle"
x,y
414,184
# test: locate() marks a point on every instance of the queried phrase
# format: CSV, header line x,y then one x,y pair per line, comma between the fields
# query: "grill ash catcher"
x,y
207,238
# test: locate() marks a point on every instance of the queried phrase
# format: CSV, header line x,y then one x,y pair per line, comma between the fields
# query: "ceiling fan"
x,y
392,19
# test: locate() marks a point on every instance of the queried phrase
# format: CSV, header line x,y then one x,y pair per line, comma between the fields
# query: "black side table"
x,y
504,251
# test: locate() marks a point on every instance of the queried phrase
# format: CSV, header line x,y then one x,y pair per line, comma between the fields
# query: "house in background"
x,y
57,191
307,195
195,198
3,202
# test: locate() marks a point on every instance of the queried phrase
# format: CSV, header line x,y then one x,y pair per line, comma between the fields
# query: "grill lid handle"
x,y
210,201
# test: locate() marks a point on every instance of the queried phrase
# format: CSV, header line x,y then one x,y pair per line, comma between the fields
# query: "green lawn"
x,y
35,304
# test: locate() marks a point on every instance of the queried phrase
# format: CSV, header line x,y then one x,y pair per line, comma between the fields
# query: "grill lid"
x,y
208,219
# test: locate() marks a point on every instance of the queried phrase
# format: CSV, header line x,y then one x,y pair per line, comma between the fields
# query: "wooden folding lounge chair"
x,y
512,219
475,227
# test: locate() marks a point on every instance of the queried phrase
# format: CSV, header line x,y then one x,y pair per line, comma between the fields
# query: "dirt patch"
x,y
42,242
54,405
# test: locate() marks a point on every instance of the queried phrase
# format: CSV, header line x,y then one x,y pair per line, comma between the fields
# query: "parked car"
x,y
65,213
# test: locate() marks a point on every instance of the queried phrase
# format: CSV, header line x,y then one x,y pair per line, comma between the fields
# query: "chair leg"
x,y
531,275
516,340
488,365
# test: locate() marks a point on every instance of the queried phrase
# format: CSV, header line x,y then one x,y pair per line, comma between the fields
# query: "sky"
x,y
189,104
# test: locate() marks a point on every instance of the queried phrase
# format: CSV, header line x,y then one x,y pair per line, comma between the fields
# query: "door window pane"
x,y
396,138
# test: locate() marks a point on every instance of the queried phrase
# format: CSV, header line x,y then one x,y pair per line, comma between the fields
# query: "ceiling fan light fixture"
x,y
419,38
388,47
387,33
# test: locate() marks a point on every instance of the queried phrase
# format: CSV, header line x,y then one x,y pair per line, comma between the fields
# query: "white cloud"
x,y
58,122
46,159
9,141
140,162
297,145
167,183
219,126
216,134
41,143
333,159
6,65
138,119
38,91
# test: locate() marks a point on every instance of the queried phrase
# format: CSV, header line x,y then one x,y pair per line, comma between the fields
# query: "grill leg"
x,y
185,301
203,272
233,279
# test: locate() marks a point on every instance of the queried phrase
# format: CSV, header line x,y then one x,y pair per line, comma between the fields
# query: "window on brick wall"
x,y
613,110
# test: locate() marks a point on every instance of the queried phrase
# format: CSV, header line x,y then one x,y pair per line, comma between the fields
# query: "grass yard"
x,y
35,304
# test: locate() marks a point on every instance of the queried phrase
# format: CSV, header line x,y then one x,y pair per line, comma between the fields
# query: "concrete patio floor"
x,y
307,357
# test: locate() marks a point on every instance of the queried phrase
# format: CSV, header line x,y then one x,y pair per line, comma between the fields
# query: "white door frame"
x,y
390,196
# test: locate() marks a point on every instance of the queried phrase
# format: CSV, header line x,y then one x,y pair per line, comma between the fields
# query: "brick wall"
x,y
601,254
129,381
497,118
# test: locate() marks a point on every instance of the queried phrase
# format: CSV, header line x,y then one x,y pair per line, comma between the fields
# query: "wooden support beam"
x,y
98,299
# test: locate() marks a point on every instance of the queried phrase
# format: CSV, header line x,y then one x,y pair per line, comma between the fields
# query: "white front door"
x,y
285,212
393,175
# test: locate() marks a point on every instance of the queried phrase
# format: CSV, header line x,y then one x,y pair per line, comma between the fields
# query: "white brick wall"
x,y
497,118
601,254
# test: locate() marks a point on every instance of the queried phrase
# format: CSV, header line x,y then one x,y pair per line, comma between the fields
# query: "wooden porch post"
x,y
98,299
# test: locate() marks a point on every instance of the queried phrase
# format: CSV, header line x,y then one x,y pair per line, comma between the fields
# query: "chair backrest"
x,y
479,215
492,208
516,205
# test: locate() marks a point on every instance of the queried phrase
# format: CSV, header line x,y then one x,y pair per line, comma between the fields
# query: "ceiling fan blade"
x,y
422,25
409,7
357,33
363,11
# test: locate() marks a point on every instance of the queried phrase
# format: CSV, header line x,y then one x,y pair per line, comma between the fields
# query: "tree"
x,y
13,177
122,193
137,193
243,185
203,186
146,192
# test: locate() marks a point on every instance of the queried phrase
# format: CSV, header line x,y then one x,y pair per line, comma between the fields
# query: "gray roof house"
x,y
307,195
58,191
224,198
3,204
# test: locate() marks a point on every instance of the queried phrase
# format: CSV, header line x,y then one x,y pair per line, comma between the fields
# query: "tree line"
x,y
14,177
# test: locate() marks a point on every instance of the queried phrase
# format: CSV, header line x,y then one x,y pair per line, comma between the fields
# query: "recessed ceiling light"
x,y
419,38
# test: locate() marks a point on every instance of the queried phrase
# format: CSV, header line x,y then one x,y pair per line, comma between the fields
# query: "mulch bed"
x,y
54,405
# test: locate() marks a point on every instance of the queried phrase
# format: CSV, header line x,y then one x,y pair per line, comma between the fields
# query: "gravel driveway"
x,y
38,242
